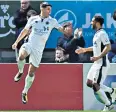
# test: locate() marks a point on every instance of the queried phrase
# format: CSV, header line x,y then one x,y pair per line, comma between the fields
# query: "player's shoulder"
x,y
52,19
33,18
103,32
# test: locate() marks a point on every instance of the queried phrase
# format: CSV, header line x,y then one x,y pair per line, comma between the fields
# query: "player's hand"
x,y
78,33
14,46
80,50
94,58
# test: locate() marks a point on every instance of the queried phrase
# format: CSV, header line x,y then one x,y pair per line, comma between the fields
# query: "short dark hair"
x,y
99,19
45,4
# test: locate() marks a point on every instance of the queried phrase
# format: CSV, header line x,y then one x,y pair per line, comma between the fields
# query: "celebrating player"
x,y
99,69
41,26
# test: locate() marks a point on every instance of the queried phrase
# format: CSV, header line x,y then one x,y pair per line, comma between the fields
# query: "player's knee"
x,y
96,87
89,83
21,57
31,74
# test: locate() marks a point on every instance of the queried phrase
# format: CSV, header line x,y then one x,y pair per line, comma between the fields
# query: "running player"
x,y
98,71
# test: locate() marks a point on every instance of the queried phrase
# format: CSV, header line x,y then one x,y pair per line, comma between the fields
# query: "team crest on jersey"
x,y
47,23
36,21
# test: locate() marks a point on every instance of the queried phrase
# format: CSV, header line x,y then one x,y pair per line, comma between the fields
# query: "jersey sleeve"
x,y
56,24
29,23
105,39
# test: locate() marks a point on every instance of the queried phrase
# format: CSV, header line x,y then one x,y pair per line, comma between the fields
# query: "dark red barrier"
x,y
55,87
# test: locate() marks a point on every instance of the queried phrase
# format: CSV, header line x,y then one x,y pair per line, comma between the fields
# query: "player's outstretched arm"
x,y
89,49
61,29
23,33
58,26
83,50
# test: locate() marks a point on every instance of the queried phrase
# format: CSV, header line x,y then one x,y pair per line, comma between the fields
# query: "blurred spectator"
x,y
114,15
20,18
70,43
112,53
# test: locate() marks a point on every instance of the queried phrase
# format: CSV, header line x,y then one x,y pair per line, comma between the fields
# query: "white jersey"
x,y
100,39
41,30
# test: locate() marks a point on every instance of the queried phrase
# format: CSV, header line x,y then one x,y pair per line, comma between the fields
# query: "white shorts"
x,y
98,73
34,55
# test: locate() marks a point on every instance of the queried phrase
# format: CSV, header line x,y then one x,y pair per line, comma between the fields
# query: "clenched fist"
x,y
14,46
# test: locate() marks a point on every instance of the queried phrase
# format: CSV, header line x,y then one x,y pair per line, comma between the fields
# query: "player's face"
x,y
47,10
93,23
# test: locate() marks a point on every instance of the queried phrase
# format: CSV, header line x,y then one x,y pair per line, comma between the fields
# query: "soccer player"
x,y
97,73
41,27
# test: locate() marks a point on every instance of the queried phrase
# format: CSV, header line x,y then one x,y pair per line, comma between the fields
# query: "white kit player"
x,y
41,27
98,71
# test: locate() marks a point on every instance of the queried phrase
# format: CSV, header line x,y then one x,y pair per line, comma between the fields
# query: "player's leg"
x,y
101,94
110,91
106,88
28,82
34,60
90,77
23,53
104,72
21,62
100,91
103,97
93,80
113,95
92,83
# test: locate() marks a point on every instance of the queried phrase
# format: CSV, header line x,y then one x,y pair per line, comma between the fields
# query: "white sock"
x,y
106,88
103,96
28,82
21,65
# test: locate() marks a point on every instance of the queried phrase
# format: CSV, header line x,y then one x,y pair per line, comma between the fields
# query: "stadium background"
x,y
55,87
79,13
